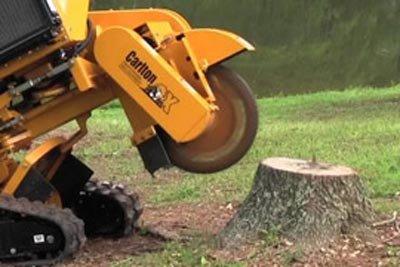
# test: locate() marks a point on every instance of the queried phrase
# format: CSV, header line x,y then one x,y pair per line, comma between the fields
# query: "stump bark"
x,y
309,203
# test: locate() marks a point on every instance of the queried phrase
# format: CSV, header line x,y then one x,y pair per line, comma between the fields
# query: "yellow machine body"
x,y
184,107
118,64
74,16
126,57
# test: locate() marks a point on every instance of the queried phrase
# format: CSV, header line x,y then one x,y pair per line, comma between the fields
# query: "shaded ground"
x,y
180,223
183,223
101,252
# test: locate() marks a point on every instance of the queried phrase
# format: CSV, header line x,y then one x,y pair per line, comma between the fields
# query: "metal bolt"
x,y
50,239
13,251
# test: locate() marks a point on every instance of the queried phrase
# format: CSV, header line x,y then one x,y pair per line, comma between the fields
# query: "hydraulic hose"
x,y
83,45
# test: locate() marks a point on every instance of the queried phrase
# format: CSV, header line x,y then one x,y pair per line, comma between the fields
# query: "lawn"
x,y
359,127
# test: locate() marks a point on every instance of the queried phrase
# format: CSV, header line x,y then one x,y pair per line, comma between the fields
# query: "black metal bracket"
x,y
154,155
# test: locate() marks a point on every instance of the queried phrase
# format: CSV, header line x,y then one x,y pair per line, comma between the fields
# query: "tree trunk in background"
x,y
309,203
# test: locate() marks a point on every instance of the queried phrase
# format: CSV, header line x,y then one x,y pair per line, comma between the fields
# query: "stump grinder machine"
x,y
58,62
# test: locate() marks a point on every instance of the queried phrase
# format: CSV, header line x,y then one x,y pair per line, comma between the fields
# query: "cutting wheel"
x,y
231,133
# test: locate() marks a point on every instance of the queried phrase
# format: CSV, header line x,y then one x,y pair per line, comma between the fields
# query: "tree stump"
x,y
309,203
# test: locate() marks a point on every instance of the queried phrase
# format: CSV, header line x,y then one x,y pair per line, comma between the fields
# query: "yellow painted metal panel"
x,y
135,18
74,14
213,46
137,67
32,57
30,160
84,72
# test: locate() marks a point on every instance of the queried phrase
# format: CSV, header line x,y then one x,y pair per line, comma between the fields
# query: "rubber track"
x,y
129,201
71,226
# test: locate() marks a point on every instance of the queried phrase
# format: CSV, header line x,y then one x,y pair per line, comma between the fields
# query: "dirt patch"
x,y
187,221
101,252
178,223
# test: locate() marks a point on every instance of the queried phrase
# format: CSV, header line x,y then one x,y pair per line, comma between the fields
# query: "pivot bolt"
x,y
50,239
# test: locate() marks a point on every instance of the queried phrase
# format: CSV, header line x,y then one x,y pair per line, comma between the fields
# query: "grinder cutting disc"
x,y
231,133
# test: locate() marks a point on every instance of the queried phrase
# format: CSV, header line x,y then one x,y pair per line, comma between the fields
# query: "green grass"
x,y
177,255
359,128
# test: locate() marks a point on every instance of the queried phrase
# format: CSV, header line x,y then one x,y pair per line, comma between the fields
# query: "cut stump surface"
x,y
309,203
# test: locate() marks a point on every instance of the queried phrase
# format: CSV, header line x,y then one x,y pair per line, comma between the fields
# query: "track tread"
x,y
71,226
129,202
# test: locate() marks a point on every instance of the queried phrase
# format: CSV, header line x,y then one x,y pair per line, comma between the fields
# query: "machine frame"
x,y
189,51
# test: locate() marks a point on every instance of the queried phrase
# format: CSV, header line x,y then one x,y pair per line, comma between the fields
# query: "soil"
x,y
102,252
178,223
183,222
